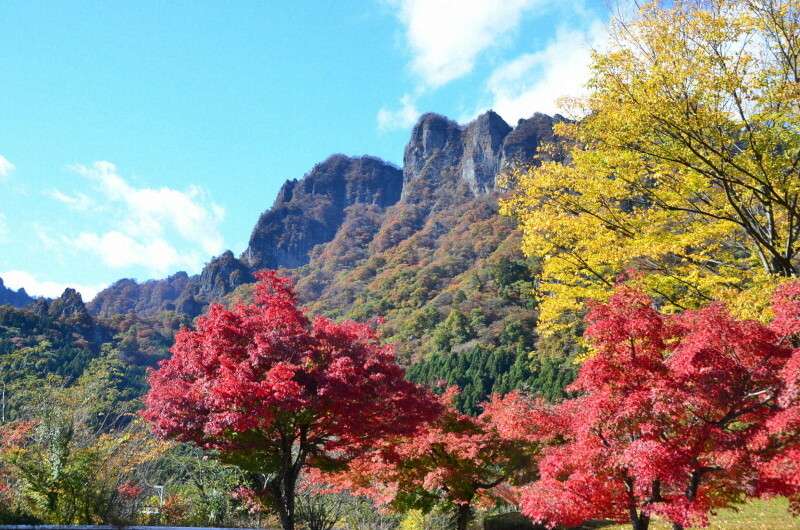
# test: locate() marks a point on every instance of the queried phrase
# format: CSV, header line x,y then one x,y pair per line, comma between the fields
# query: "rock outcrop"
x,y
221,276
441,150
69,308
435,146
520,146
70,303
309,211
483,142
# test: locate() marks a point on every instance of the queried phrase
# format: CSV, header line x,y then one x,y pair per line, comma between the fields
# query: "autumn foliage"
x,y
454,462
274,392
682,162
678,416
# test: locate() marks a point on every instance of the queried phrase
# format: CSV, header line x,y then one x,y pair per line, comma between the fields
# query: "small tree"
x,y
72,461
453,462
679,416
318,509
274,392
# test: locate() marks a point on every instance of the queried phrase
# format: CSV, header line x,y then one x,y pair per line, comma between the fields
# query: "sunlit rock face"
x,y
309,211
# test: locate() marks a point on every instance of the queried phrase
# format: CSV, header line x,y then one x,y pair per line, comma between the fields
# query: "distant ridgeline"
x,y
53,344
422,247
13,298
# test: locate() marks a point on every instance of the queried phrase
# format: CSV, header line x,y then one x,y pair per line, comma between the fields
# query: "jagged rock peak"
x,y
68,304
222,275
521,144
433,135
483,144
285,193
310,210
475,153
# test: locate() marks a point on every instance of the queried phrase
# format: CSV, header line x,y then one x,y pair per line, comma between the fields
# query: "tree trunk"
x,y
286,502
638,521
282,489
282,486
782,266
287,519
464,515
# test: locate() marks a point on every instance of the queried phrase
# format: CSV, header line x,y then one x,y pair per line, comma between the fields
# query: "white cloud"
x,y
401,118
48,238
119,250
80,201
157,228
446,36
536,81
6,168
16,279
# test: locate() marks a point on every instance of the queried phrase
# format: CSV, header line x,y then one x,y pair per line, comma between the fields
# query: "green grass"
x,y
756,515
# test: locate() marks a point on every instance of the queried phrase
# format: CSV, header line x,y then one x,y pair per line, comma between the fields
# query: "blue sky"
x,y
140,138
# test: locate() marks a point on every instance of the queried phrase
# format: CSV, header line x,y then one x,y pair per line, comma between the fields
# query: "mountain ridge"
x,y
421,248
18,298
310,211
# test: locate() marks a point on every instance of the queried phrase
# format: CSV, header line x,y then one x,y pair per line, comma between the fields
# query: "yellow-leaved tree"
x,y
685,166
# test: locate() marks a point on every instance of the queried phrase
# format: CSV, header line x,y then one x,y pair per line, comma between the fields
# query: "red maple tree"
x,y
678,416
454,461
273,392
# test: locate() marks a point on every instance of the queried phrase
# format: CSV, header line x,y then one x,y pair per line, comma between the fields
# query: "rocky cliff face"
x,y
221,276
348,200
435,146
308,212
483,142
475,154
520,146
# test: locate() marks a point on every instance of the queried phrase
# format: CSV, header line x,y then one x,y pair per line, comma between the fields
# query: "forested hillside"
x,y
423,248
56,342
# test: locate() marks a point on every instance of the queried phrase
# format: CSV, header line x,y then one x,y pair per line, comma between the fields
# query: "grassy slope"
x,y
757,515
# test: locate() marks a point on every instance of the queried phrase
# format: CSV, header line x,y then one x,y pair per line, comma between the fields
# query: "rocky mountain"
x,y
443,269
445,165
475,153
423,248
18,298
440,146
521,143
309,212
69,304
